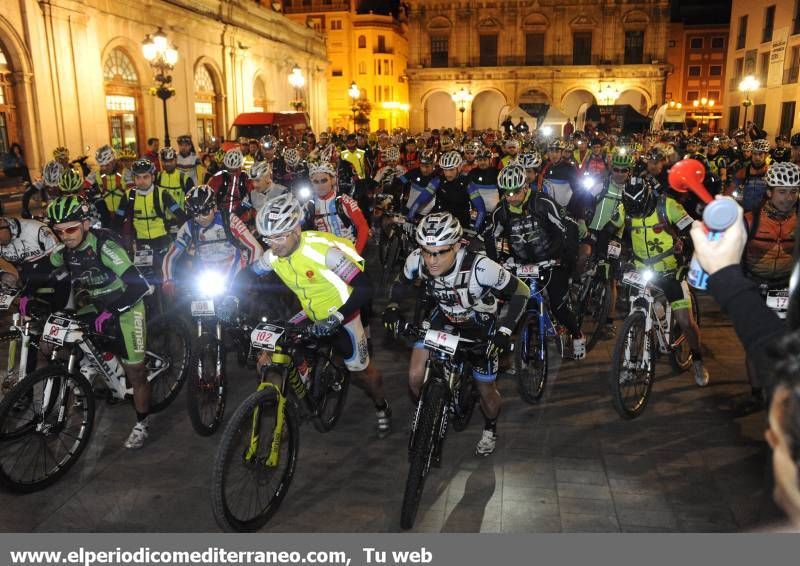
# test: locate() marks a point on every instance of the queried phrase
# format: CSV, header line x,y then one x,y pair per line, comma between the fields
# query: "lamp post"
x,y
461,98
162,57
747,86
608,94
298,81
705,105
354,93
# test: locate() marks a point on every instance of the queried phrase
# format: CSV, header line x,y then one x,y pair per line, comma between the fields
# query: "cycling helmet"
x,y
511,178
260,169
67,209
427,157
185,139
654,155
12,224
391,153
267,142
783,175
622,158
279,215
638,197
739,134
71,181
693,141
446,144
795,140
761,146
167,154
233,159
200,200
713,142
554,145
104,155
51,173
530,160
292,157
61,153
724,139
781,137
322,167
439,229
450,160
747,146
142,166
126,154
326,154
484,153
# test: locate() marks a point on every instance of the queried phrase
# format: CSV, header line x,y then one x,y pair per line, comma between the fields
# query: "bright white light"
x,y
587,182
622,151
547,131
211,283
304,193
171,56
647,275
149,50
296,79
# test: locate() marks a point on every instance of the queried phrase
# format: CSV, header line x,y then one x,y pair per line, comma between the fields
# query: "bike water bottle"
x,y
113,363
718,216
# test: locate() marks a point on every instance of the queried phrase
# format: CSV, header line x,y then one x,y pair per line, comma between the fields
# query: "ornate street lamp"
x,y
462,98
747,86
354,92
705,105
162,57
298,81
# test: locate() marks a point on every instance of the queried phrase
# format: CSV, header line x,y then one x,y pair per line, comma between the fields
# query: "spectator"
x,y
14,163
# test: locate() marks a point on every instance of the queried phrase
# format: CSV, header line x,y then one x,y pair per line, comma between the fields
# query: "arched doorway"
x,y
259,95
9,121
123,101
574,100
486,108
440,111
635,99
535,103
206,104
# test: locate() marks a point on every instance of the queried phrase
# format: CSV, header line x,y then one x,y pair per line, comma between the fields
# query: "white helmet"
x,y
783,175
233,159
391,153
450,160
104,155
761,146
530,160
326,154
260,169
291,156
279,215
322,167
439,229
51,173
511,177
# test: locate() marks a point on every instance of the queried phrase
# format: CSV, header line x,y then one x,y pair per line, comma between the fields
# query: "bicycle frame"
x,y
652,319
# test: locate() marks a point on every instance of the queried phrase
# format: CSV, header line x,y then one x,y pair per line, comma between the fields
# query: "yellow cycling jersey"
x,y
148,218
651,236
112,188
173,183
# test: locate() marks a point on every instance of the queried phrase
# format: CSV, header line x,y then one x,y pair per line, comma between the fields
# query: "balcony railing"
x,y
386,50
540,61
303,6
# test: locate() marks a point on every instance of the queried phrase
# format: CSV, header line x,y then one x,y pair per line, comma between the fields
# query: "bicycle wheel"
x,y
633,367
466,395
390,266
329,386
167,345
207,387
45,424
530,360
246,490
594,311
420,456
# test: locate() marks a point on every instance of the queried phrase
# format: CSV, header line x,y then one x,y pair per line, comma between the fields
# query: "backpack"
x,y
194,230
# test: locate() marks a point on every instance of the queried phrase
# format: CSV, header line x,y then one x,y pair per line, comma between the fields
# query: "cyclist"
x,y
464,287
263,188
145,207
170,178
717,162
795,143
483,179
452,192
470,157
72,182
103,275
511,150
595,162
110,179
655,225
749,183
531,224
46,187
231,185
221,241
326,275
781,152
188,161
416,181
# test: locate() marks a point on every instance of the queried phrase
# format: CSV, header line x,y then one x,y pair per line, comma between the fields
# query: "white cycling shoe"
x,y
138,435
487,443
579,348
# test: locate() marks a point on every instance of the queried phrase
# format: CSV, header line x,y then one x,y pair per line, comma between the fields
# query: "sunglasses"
x,y
203,213
618,170
279,239
68,230
432,255
320,181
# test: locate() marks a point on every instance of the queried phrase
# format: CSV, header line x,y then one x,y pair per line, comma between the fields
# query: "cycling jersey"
x,y
230,189
609,211
485,182
147,209
534,229
176,183
191,167
356,158
415,182
256,199
112,186
652,237
30,241
455,197
338,215
768,254
751,186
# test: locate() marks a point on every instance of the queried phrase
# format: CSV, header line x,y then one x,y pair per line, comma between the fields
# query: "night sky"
x,y
701,11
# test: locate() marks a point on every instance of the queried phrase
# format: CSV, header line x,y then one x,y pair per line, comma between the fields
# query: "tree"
x,y
364,108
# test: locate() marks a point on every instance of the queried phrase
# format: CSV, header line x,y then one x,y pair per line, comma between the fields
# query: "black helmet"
x,y
142,166
427,157
638,197
795,141
200,200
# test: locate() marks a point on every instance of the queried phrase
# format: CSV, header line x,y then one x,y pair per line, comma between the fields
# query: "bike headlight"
x,y
211,283
304,192
587,183
648,275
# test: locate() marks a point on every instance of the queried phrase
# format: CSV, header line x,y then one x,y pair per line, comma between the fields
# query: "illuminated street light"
x,y
298,81
354,92
747,86
162,58
462,98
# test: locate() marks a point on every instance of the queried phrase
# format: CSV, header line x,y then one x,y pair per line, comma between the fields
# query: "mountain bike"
x,y
398,242
257,455
46,421
448,389
593,300
649,330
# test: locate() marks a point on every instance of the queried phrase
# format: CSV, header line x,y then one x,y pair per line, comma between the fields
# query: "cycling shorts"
x,y
676,291
351,343
129,330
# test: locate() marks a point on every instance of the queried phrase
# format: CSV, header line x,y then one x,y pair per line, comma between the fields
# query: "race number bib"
x,y
143,258
203,308
614,249
55,330
441,341
635,279
684,222
778,301
528,271
6,299
265,336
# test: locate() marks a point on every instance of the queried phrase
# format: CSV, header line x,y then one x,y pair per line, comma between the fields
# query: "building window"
x,y
382,44
440,51
763,67
694,70
717,43
715,70
123,101
741,37
713,95
336,73
362,42
787,117
692,95
336,24
769,23
634,47
796,22
759,111
738,68
696,43
259,95
790,75
582,48
362,68
488,46
205,105
733,118
387,93
534,49
671,43
377,66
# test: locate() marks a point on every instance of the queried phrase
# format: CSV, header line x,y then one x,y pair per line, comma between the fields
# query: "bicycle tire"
x,y
79,396
634,321
166,386
681,357
600,298
231,450
420,457
531,370
206,389
390,267
465,399
330,384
